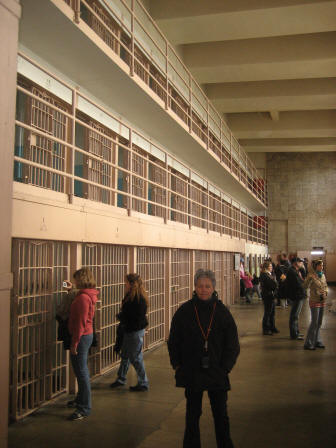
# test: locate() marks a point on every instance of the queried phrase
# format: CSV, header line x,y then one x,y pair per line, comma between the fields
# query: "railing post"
x,y
190,103
167,209
71,191
207,145
132,39
130,192
77,11
189,201
167,80
231,151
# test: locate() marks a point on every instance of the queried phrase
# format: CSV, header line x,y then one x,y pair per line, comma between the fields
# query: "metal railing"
x,y
128,29
70,144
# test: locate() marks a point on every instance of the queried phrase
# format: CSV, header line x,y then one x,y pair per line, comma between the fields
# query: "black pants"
x,y
268,322
218,399
294,318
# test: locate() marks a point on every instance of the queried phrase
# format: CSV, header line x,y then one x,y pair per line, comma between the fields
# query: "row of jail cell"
x,y
107,171
39,364
38,361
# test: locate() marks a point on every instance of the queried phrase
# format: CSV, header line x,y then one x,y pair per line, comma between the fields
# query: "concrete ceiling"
x,y
269,66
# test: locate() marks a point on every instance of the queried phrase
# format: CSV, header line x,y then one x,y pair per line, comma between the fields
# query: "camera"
x,y
205,362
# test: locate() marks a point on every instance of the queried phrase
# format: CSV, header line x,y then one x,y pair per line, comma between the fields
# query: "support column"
x,y
10,11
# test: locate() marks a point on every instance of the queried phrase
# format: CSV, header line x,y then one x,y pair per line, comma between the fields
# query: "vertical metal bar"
x,y
168,292
132,39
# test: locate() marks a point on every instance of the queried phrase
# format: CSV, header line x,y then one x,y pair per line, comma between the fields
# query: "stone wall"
x,y
302,201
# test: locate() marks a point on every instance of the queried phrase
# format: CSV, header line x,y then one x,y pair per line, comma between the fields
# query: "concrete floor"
x,y
282,396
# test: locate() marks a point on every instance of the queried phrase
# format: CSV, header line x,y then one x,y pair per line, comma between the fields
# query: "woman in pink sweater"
x,y
247,278
81,329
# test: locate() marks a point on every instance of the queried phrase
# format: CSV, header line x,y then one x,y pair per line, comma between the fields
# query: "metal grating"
x,y
139,185
179,278
46,116
201,260
114,270
151,267
199,203
38,361
218,270
157,182
178,197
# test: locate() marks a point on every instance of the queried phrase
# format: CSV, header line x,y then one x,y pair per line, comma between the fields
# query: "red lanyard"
x,y
205,336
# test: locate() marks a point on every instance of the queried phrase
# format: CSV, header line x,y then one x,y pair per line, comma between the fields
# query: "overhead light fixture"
x,y
317,252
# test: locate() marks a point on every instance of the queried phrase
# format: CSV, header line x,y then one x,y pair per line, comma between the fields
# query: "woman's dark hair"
x,y
265,265
137,289
85,278
316,263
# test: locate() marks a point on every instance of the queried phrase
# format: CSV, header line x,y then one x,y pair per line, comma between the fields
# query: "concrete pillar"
x,y
9,25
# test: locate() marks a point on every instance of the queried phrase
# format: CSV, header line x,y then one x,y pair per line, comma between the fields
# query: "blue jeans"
x,y
81,370
131,353
313,335
294,318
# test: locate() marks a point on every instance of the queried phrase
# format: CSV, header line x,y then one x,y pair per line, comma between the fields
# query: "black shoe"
x,y
275,330
320,346
138,388
309,348
298,338
72,404
77,415
116,384
267,333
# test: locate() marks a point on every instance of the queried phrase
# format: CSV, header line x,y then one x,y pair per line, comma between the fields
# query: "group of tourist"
x,y
288,281
203,341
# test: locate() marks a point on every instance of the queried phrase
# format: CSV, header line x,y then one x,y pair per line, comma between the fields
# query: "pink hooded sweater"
x,y
81,314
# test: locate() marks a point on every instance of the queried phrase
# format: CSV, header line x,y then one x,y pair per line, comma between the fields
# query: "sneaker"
x,y
76,416
138,388
116,384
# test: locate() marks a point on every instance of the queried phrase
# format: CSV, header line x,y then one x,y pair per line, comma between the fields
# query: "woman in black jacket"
x,y
133,322
268,286
203,347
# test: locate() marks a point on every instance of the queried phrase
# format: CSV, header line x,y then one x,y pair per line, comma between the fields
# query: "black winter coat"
x,y
186,345
133,314
294,285
268,286
282,268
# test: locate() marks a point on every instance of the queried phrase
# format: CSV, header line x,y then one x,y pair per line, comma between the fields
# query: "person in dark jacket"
x,y
203,347
268,286
80,327
297,295
281,270
133,321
